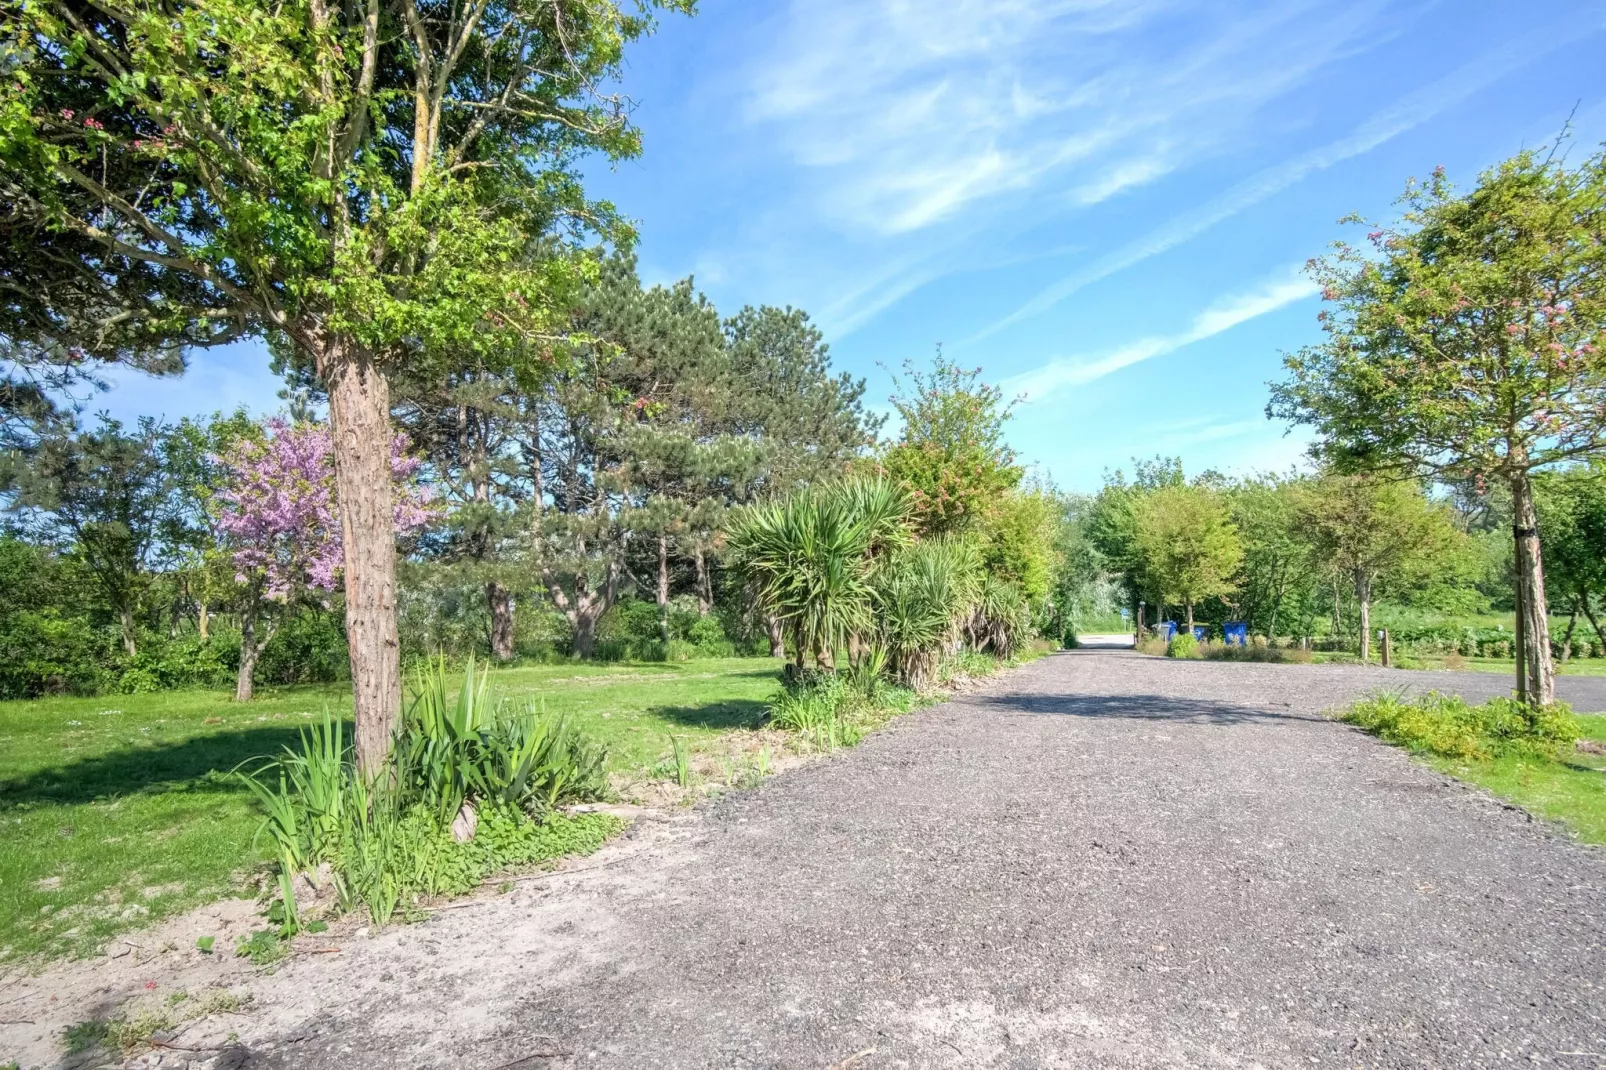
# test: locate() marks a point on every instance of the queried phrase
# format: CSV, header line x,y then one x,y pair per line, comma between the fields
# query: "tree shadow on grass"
x,y
1141,708
724,715
199,763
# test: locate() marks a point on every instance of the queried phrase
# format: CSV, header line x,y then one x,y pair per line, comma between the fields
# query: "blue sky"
x,y
1103,203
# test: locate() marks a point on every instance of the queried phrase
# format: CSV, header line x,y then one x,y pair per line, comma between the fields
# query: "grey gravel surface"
x,y
1099,860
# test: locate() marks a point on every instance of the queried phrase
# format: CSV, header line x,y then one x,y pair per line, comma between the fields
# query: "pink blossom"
x,y
280,510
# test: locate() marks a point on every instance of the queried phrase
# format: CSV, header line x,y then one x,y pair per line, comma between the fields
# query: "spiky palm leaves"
x,y
920,597
809,557
1002,617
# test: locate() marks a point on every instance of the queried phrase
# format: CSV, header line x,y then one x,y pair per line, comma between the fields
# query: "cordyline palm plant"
x,y
809,557
920,596
1002,617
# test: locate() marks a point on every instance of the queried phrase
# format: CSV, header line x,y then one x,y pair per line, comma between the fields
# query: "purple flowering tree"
x,y
278,513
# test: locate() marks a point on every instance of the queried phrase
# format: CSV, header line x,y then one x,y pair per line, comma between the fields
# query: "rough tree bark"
x,y
252,644
1363,599
705,586
586,607
359,424
1540,682
125,618
663,588
244,684
500,601
777,635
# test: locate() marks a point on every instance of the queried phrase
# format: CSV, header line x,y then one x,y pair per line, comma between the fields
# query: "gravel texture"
x,y
1099,860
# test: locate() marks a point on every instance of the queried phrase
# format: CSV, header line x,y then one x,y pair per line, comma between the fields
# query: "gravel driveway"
x,y
1100,860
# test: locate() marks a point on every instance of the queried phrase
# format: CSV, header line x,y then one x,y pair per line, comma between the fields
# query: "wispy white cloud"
x,y
1406,114
1225,314
913,112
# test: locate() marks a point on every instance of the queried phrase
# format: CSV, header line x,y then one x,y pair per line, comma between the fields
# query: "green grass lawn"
x,y
120,810
1577,667
1571,790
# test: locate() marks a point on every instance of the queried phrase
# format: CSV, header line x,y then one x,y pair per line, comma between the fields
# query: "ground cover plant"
x,y
1548,760
472,786
120,811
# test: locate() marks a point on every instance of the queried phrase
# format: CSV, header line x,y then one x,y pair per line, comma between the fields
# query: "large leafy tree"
x,y
1467,345
1376,532
1111,525
1279,573
950,451
383,184
466,427
1188,544
107,495
276,509
1572,507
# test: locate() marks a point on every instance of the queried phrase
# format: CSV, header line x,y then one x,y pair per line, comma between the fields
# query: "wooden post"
x,y
1383,646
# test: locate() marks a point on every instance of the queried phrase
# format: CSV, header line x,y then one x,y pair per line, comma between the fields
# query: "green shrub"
x,y
1448,726
966,663
1253,652
1068,639
471,746
707,636
389,840
308,648
1184,645
830,711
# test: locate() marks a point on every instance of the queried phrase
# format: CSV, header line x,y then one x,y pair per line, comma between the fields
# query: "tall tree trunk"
x,y
1541,678
586,608
244,684
777,635
500,601
1363,599
705,586
359,423
254,638
663,588
1188,609
203,620
125,618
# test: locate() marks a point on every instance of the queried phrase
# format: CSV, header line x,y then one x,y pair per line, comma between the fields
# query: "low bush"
x,y
1184,645
1254,652
966,663
833,710
1448,726
1151,644
473,786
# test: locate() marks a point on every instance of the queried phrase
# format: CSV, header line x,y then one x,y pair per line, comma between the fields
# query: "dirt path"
x,y
1100,860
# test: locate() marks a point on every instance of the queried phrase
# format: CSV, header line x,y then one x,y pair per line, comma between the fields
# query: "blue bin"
x,y
1201,633
1167,630
1236,633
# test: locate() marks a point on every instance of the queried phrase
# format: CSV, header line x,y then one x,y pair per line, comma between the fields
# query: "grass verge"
x,y
1458,663
1557,772
119,811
